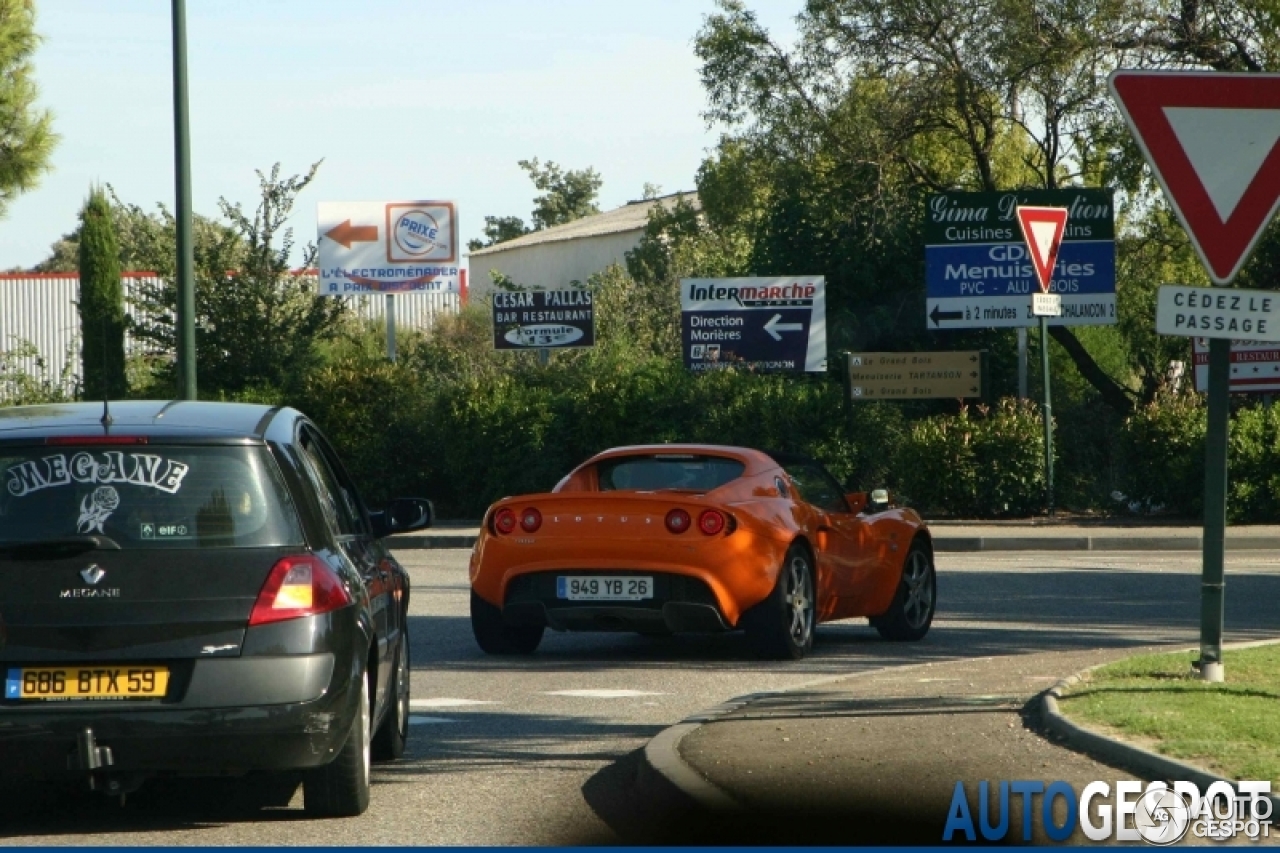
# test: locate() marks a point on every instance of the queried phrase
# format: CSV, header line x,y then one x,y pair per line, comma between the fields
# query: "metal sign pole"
x,y
1213,579
186,307
1048,414
1022,363
391,327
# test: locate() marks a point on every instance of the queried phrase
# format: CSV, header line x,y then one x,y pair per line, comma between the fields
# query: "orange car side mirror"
x,y
857,501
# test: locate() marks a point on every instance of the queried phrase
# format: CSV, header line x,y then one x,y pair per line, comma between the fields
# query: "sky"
x,y
402,99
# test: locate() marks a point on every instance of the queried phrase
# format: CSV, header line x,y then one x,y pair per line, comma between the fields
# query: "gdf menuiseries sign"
x,y
979,275
543,319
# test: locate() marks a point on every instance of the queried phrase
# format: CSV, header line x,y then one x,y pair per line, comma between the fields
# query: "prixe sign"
x,y
1201,312
763,324
914,375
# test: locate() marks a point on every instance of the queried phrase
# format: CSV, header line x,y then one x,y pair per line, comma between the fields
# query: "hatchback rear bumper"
x,y
46,740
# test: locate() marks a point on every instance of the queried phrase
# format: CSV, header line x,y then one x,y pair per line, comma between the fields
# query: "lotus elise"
x,y
668,538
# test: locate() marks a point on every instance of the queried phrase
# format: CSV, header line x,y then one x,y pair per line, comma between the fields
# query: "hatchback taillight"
x,y
711,522
678,521
530,520
299,586
504,521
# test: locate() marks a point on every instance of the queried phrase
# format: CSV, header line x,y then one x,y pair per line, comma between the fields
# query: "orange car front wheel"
x,y
911,613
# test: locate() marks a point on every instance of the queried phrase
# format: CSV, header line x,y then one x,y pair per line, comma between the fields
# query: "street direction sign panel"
x,y
1046,305
1255,366
979,274
1042,228
1210,138
764,324
369,247
915,375
543,319
1210,313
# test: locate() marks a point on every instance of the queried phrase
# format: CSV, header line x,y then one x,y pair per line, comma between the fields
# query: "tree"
x,y
102,317
258,324
884,101
499,229
566,196
26,133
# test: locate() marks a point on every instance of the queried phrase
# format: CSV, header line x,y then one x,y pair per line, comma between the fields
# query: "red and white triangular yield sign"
x,y
1210,138
1042,228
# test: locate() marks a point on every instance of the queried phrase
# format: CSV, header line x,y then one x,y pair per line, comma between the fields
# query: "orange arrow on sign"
x,y
346,233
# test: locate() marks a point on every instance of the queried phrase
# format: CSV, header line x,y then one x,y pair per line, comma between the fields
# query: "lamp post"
x,y
186,308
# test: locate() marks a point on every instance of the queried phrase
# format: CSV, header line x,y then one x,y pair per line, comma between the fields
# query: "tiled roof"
x,y
630,217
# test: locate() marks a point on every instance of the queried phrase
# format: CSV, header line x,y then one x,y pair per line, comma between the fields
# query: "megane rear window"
x,y
667,471
150,497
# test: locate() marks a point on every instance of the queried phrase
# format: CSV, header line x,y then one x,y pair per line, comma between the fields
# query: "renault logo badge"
x,y
93,574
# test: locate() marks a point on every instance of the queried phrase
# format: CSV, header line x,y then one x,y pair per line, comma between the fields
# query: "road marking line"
x,y
603,694
444,702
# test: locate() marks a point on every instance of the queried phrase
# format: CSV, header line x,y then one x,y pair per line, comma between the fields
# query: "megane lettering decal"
x,y
112,466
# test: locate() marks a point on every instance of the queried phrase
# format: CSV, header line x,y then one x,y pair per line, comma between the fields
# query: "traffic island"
x,y
1155,715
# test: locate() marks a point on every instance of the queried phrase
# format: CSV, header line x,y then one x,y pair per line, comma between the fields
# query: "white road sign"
x,y
1046,304
1212,313
388,247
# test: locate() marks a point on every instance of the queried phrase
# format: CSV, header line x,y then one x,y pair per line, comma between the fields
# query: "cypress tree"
x,y
101,301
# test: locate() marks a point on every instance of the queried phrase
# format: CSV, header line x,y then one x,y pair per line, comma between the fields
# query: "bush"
x,y
1253,472
1163,449
985,466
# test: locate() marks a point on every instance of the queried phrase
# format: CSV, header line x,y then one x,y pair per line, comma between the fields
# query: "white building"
x,y
552,258
40,309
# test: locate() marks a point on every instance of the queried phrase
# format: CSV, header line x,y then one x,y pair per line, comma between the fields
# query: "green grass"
x,y
1159,702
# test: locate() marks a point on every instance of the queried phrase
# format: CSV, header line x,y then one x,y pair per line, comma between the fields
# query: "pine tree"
x,y
26,133
102,317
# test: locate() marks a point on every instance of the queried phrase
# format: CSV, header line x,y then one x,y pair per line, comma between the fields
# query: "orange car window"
x,y
649,473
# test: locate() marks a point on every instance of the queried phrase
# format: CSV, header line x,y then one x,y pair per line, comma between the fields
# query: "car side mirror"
x,y
879,500
403,515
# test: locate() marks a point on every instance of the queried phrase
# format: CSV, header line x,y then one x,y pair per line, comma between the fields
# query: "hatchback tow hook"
x,y
96,760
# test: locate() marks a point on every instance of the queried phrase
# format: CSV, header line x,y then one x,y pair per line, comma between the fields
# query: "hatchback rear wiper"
x,y
50,549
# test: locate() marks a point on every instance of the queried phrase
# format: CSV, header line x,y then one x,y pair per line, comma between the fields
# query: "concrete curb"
x,y
662,758
1096,543
1144,762
963,544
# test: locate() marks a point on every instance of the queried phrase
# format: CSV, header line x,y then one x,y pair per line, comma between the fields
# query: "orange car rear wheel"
x,y
496,637
781,626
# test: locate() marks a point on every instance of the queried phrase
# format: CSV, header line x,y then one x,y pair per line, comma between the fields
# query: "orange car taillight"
x,y
678,521
711,522
504,521
299,586
530,520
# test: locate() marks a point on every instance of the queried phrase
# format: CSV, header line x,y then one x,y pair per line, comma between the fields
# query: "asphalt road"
x,y
541,750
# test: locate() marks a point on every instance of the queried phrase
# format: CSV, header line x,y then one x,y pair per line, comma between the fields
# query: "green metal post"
x,y
1048,415
186,314
1212,580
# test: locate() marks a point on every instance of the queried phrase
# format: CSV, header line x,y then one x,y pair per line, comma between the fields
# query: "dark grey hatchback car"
x,y
196,589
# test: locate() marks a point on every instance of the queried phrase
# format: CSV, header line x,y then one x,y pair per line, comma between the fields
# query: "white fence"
x,y
40,309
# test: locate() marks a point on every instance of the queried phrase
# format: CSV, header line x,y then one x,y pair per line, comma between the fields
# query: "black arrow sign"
x,y
938,315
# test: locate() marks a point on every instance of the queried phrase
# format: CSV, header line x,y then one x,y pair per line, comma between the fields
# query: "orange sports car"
x,y
673,538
